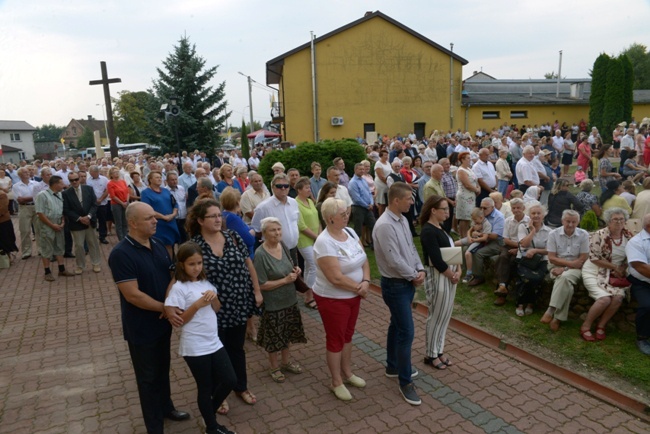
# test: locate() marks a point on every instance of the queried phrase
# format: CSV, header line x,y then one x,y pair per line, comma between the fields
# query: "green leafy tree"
x,y
640,58
202,107
305,153
598,87
245,148
627,100
613,107
133,115
87,139
48,133
551,76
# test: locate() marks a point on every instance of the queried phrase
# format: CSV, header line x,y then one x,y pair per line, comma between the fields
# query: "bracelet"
x,y
365,280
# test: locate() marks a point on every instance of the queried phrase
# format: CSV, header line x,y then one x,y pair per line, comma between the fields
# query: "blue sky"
x,y
51,49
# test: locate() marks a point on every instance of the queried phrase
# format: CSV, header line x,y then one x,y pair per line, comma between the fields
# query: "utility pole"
x,y
250,97
559,74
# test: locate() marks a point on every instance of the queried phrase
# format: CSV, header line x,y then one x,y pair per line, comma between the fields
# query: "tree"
x,y
202,107
640,59
245,148
48,133
598,87
613,107
133,115
551,76
87,139
627,100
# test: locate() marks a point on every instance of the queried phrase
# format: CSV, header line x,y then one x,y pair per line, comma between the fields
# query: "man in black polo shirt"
x,y
140,266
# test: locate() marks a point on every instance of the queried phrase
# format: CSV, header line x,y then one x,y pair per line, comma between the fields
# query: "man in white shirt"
x,y
24,195
637,251
486,175
558,142
252,197
99,183
253,161
285,209
627,144
526,174
180,195
462,147
430,153
333,175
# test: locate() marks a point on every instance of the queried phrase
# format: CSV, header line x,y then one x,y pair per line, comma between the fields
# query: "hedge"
x,y
305,153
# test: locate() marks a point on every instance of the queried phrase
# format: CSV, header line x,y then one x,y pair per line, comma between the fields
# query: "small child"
x,y
630,192
579,176
199,344
478,237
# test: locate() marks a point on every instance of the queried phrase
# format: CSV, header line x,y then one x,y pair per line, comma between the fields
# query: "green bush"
x,y
589,221
305,153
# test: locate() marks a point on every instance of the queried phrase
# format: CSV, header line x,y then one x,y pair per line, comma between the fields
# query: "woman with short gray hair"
x,y
604,273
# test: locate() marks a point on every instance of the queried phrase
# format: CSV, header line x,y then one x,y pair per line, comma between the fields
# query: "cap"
x,y
545,152
278,165
623,124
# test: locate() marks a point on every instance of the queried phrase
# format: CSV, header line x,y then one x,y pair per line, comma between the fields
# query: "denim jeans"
x,y
398,295
503,187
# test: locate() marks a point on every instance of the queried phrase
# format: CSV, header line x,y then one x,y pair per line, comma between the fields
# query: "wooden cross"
x,y
105,81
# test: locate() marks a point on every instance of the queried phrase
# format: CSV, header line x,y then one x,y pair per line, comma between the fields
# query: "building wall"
x,y
26,143
537,114
371,73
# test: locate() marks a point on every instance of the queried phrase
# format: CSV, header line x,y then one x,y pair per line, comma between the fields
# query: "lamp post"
x,y
172,109
250,96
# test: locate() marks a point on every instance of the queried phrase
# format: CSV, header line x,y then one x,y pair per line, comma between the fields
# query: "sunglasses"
x,y
281,186
74,179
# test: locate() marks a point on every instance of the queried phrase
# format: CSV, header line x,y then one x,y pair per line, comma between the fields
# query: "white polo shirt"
x,y
288,214
99,186
638,250
486,172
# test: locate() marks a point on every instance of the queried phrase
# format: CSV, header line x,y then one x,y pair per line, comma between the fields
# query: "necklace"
x,y
620,241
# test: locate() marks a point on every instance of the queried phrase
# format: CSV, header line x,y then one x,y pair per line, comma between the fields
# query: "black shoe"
x,y
220,429
177,415
68,255
103,241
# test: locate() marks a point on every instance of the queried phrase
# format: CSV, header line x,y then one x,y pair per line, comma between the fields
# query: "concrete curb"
x,y
599,391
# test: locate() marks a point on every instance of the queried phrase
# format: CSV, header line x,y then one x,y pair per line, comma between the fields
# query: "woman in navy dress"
x,y
164,204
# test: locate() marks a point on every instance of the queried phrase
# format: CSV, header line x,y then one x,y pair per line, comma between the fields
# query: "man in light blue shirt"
x,y
362,202
187,179
637,251
493,246
316,182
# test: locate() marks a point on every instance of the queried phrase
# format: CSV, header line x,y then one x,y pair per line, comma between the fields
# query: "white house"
x,y
17,140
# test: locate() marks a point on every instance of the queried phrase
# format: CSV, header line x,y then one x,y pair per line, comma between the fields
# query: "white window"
x,y
491,115
518,114
15,137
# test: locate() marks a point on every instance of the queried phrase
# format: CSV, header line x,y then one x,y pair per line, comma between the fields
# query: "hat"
x,y
278,165
579,167
545,152
623,124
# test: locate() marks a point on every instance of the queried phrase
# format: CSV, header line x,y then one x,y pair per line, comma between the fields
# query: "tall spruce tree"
x,y
613,108
627,101
202,107
245,147
598,87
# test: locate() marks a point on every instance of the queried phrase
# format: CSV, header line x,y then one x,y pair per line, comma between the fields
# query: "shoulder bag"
x,y
301,286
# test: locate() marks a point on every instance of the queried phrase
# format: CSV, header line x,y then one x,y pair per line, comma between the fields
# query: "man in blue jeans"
x,y
401,271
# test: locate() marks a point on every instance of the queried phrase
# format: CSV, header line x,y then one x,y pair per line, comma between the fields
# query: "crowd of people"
x,y
243,249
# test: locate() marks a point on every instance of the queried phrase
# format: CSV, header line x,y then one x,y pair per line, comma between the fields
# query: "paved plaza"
x,y
65,368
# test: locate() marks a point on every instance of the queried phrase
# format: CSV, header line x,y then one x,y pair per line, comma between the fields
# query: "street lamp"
x,y
172,109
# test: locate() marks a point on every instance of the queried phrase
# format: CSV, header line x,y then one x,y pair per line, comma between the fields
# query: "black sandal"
x,y
429,361
446,360
311,304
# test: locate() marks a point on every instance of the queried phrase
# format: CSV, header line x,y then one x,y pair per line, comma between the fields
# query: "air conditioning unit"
x,y
337,120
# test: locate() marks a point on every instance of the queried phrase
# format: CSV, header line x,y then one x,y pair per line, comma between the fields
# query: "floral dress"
x,y
465,199
230,275
602,247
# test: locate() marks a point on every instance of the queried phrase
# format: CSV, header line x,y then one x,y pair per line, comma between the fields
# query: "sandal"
x,y
600,333
519,311
292,367
587,336
429,361
446,360
247,397
223,408
252,337
277,375
311,304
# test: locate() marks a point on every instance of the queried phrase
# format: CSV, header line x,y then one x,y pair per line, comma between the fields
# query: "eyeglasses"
x,y
281,186
485,207
443,209
619,220
213,216
74,179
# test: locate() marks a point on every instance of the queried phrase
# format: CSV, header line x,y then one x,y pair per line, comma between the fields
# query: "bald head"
x,y
437,171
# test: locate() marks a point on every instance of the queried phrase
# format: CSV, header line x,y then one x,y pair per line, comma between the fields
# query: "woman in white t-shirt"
x,y
342,278
200,345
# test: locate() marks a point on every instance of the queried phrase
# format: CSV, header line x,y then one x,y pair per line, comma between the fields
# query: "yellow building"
x,y
489,102
371,75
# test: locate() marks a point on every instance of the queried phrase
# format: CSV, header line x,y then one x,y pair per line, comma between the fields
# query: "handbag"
x,y
5,261
619,282
529,268
300,284
452,255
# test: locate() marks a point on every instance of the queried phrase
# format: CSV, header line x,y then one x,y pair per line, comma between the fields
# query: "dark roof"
x,y
641,96
274,66
94,125
480,75
7,148
15,126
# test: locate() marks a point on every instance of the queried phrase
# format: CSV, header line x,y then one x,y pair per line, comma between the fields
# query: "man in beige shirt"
x,y
434,185
252,197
